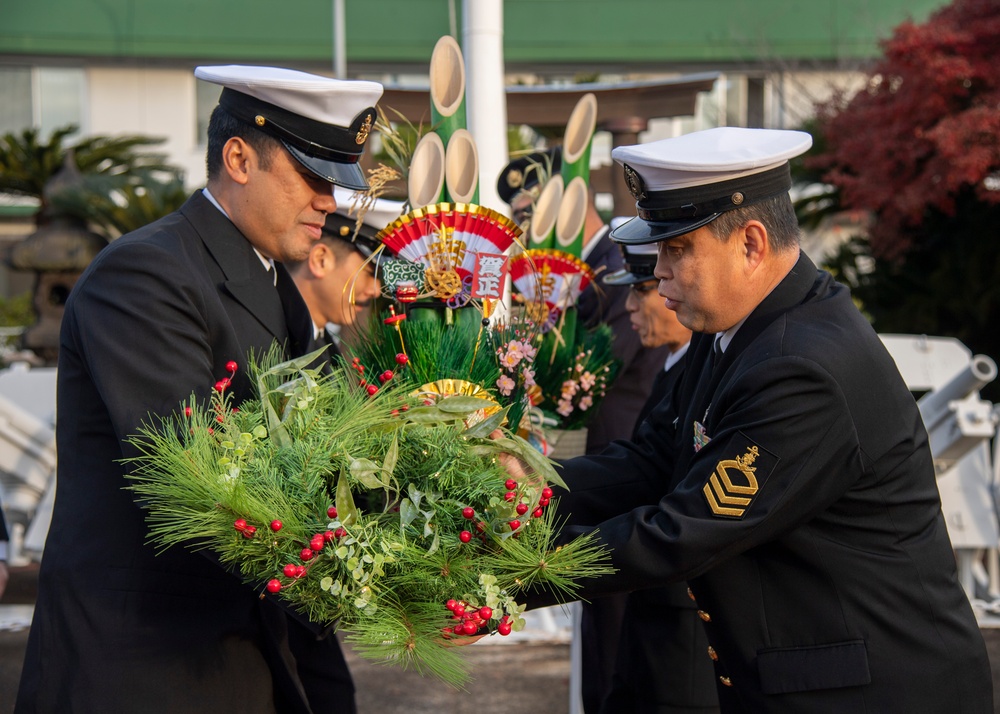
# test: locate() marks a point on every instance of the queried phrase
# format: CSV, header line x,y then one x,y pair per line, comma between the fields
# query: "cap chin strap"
x,y
701,201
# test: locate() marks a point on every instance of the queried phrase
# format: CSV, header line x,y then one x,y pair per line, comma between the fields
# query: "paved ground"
x,y
512,678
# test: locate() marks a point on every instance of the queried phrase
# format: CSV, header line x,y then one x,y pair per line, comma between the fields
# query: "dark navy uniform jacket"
x,y
805,516
118,627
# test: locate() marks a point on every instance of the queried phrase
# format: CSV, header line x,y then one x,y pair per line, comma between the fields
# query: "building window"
x,y
47,98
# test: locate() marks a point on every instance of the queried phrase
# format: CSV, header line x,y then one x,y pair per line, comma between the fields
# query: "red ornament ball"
x,y
331,511
276,525
504,628
465,536
485,613
510,484
328,536
317,542
515,524
273,585
469,512
187,411
537,513
306,554
239,524
401,359
543,502
290,570
372,389
469,627
231,366
451,604
546,492
509,496
521,509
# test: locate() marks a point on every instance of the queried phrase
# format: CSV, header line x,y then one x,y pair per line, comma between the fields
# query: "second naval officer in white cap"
x,y
787,478
160,313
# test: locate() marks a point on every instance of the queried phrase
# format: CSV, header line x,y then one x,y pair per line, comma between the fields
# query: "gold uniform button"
x,y
690,594
704,616
726,681
712,654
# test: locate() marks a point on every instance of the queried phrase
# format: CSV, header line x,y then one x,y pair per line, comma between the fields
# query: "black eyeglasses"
x,y
644,287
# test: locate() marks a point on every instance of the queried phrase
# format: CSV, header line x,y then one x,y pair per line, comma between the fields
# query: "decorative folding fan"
x,y
445,239
549,278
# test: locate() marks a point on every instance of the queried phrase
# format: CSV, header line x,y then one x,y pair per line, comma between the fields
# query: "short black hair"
x,y
776,213
222,126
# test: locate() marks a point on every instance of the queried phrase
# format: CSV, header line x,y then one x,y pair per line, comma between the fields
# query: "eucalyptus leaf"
x,y
366,471
407,512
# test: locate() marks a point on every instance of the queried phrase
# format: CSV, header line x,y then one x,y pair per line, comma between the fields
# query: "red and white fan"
x,y
448,236
549,277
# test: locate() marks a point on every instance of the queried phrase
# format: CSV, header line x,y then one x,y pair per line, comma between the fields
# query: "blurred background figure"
x,y
337,280
519,184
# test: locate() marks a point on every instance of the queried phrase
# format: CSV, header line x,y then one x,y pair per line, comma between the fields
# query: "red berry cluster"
x,y
472,620
241,525
224,383
372,389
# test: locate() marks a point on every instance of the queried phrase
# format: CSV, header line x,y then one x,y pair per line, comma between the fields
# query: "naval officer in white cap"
x,y
787,477
160,313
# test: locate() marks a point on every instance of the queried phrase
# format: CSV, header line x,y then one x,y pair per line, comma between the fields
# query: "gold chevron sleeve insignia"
x,y
734,483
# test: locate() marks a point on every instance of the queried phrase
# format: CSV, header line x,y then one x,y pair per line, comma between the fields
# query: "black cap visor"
x,y
346,175
624,277
640,232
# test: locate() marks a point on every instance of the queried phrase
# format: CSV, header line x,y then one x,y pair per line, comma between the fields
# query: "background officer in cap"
x,y
788,476
336,280
160,313
519,185
658,640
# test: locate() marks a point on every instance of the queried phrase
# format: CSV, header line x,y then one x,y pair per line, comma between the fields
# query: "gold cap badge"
x,y
365,129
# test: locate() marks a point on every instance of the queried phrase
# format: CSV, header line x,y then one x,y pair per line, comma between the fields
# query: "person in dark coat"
x,y
160,314
520,184
659,642
788,478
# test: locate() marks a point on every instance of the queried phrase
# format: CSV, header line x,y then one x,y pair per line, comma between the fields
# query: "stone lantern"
x,y
57,252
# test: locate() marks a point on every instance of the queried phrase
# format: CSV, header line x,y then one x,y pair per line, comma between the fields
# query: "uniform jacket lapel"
x,y
245,278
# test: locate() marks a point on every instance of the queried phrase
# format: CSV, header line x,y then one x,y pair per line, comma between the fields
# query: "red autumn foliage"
x,y
925,130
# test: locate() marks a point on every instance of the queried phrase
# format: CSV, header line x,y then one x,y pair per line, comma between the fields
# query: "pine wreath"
x,y
385,514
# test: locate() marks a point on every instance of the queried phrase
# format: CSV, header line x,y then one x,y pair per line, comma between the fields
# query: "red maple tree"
x,y
924,134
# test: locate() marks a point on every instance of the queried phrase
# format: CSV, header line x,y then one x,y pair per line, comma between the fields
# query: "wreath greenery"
x,y
385,514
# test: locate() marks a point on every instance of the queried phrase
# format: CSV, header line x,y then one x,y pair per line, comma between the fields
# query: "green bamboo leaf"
x,y
535,460
347,512
488,425
391,456
461,404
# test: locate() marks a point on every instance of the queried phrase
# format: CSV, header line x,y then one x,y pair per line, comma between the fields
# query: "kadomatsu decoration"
x,y
381,511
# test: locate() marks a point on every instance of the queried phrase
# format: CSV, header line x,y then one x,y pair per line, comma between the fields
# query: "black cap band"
x,y
343,145
712,199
